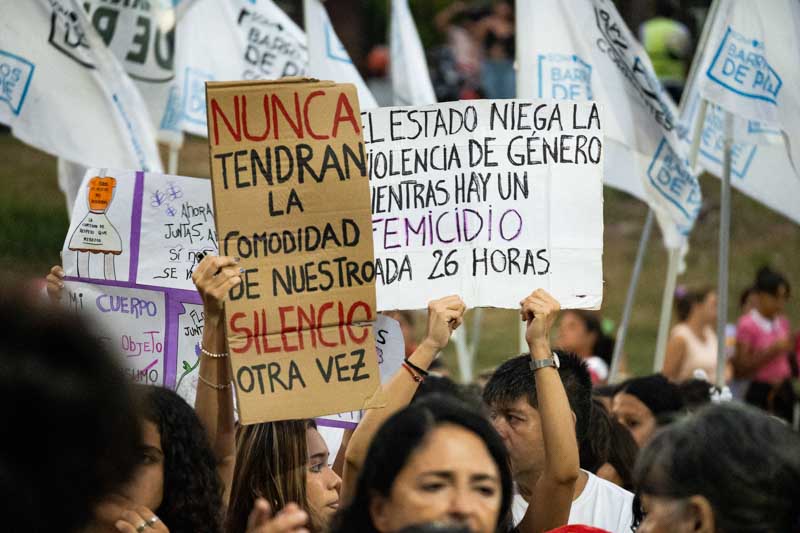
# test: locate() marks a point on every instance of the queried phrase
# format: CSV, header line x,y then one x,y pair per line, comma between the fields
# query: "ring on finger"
x,y
152,520
141,527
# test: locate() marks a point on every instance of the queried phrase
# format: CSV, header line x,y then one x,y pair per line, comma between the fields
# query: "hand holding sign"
x,y
540,311
214,277
444,316
55,283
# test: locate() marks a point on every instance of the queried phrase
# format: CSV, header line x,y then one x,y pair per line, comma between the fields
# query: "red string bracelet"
x,y
415,377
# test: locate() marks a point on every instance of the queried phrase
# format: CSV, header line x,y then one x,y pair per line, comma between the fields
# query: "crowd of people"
x,y
543,443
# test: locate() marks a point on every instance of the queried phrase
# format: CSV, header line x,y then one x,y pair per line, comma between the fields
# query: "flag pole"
x,y
525,89
622,332
666,308
724,249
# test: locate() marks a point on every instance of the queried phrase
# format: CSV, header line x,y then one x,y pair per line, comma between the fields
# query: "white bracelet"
x,y
213,355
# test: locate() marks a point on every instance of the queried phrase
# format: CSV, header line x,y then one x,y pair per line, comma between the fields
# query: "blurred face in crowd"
x,y
634,415
573,336
520,427
322,483
147,486
708,308
676,515
771,305
450,479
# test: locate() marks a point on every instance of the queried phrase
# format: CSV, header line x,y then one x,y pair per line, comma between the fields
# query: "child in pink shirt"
x,y
763,338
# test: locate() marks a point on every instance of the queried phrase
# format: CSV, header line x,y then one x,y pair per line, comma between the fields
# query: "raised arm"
x,y
553,492
214,277
444,316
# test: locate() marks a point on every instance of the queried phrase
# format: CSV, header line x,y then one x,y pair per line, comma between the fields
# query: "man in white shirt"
x,y
512,399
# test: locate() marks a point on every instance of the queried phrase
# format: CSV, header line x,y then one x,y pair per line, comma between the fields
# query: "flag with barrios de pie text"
x,y
749,67
582,50
64,92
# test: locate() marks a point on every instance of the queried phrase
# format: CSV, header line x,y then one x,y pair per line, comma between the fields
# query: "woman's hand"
x,y
128,517
55,283
540,311
214,277
444,316
291,519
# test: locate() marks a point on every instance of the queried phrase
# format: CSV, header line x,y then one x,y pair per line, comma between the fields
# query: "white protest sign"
x,y
390,347
487,199
128,257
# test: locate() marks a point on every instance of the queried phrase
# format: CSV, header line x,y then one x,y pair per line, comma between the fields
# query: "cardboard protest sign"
x,y
291,197
487,199
128,257
390,347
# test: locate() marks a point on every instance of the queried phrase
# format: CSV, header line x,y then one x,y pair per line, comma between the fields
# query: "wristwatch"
x,y
536,364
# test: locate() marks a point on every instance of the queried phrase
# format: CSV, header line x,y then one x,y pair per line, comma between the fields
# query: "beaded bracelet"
x,y
213,355
214,385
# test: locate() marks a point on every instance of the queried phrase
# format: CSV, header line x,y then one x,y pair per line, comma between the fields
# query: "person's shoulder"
x,y
610,490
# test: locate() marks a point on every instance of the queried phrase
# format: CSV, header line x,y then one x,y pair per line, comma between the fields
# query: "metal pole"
x,y
666,308
724,246
699,124
174,154
619,345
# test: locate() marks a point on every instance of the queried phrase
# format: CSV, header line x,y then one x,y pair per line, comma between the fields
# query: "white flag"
x,y
411,81
582,50
749,65
327,57
63,92
745,69
253,40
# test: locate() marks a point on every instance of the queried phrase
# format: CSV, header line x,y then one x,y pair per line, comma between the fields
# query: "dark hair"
x,y
769,281
603,344
447,387
688,299
192,488
608,441
744,462
398,438
514,379
435,528
659,394
71,433
745,295
695,393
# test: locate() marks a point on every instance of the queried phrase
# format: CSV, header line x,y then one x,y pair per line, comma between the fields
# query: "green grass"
x,y
33,223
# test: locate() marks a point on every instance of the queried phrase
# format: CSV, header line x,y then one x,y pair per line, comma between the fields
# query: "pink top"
x,y
760,333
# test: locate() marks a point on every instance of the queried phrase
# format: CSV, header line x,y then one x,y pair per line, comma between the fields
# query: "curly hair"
x,y
192,488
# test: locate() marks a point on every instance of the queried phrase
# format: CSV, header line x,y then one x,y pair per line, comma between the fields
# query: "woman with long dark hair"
x,y
435,461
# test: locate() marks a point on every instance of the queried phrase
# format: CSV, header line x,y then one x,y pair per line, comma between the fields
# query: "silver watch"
x,y
544,363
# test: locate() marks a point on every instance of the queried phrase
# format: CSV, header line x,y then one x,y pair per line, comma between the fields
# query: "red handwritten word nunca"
x,y
274,114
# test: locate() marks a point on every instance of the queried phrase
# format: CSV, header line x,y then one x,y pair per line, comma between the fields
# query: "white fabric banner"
x,y
749,65
327,57
760,165
582,50
253,40
411,81
63,91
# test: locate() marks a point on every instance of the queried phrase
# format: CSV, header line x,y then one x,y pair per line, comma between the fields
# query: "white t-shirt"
x,y
601,504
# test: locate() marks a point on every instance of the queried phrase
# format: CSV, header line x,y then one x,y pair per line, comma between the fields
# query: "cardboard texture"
x,y
291,199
